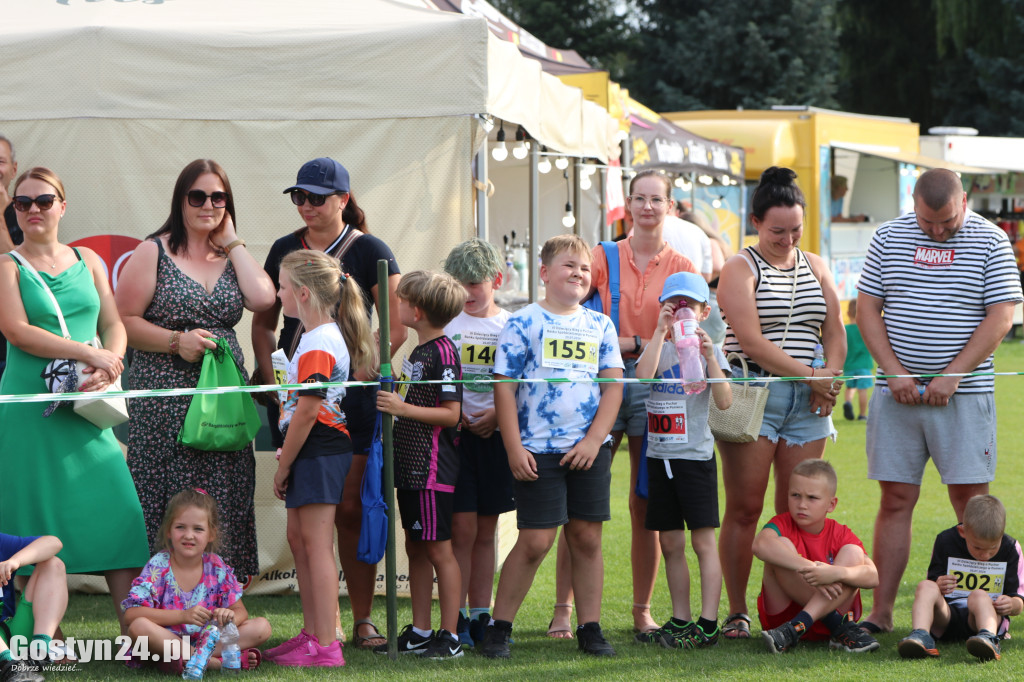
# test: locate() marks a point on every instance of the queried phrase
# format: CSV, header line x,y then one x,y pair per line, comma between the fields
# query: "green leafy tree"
x,y
597,29
698,54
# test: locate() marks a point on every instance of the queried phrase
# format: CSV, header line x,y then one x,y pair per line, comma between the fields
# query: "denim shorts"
x,y
788,415
632,417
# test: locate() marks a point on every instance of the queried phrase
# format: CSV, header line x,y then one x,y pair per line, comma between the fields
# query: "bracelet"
x,y
172,344
237,242
636,341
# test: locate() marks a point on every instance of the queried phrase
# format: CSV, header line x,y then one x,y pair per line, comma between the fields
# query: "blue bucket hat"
x,y
321,176
688,284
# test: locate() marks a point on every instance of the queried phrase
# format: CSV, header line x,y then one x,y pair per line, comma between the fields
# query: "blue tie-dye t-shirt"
x,y
553,417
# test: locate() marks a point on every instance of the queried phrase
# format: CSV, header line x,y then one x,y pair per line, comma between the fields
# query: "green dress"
x,y
60,474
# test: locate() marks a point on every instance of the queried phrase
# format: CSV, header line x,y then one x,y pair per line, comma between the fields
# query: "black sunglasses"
x,y
299,197
43,201
197,197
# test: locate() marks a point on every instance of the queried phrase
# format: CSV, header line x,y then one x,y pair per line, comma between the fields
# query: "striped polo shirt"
x,y
935,294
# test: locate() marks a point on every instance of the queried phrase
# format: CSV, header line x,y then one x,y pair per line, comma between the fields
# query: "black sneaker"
x,y
19,671
408,642
443,645
918,644
670,635
848,410
591,641
495,642
984,645
853,638
478,626
783,638
462,630
696,638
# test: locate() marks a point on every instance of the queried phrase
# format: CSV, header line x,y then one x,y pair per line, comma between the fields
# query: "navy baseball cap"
x,y
688,284
321,176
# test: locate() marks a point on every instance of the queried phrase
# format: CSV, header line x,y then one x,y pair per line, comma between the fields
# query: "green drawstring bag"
x,y
220,422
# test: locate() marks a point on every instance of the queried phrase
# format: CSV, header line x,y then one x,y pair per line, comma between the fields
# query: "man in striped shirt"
x,y
937,295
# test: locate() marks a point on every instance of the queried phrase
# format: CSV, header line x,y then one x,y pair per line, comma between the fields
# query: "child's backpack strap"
x,y
611,252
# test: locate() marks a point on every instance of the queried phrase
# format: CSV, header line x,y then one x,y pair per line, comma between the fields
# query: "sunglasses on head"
x,y
197,197
43,201
299,197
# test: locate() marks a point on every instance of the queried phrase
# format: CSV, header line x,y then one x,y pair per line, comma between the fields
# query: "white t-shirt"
x,y
689,240
537,344
477,341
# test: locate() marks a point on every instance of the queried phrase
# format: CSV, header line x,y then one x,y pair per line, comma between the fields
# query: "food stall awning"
x,y
656,142
915,159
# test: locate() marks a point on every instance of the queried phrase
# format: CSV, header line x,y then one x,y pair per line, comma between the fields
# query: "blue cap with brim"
x,y
688,284
321,176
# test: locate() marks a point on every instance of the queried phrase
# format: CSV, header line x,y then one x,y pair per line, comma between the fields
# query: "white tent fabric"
x,y
117,97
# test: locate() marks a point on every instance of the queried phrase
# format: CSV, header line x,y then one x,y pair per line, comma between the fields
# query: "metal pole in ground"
x,y
388,475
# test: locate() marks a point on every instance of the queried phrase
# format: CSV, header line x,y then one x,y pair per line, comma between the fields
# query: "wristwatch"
x,y
636,341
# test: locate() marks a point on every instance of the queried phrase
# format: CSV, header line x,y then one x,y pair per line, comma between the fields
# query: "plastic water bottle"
x,y
819,357
206,640
684,336
231,655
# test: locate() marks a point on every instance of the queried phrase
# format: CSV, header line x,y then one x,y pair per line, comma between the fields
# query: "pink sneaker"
x,y
285,647
311,654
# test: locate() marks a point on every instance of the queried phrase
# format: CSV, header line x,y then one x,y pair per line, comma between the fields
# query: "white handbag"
x,y
103,411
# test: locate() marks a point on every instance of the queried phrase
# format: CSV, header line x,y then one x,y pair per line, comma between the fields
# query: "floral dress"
x,y
157,588
159,465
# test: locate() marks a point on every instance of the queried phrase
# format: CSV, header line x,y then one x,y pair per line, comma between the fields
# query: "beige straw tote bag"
x,y
741,423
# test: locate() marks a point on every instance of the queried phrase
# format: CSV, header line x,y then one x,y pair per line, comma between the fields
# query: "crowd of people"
x,y
173,525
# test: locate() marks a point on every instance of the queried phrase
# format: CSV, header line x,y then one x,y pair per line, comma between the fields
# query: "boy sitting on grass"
x,y
556,436
814,569
42,604
682,472
973,585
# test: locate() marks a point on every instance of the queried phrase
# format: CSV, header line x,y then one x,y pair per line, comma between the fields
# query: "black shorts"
x,y
317,480
560,493
959,627
485,485
426,514
687,499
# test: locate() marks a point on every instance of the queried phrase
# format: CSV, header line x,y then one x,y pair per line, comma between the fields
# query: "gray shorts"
x,y
960,438
560,493
632,417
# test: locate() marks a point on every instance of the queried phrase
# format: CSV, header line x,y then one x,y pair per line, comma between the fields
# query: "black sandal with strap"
x,y
736,626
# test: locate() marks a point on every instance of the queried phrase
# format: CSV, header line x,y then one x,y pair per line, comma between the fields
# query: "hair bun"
x,y
777,175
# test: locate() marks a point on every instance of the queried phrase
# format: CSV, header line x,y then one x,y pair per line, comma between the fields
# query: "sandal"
x,y
245,659
736,626
650,628
361,641
560,632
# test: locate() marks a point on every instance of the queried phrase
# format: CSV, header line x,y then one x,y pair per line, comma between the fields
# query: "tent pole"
x,y
577,196
605,230
388,474
532,245
481,193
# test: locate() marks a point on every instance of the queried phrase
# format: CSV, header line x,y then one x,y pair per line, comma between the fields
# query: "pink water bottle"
x,y
684,336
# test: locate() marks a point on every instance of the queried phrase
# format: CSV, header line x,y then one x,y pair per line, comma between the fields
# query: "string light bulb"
x,y
544,165
561,163
520,150
500,151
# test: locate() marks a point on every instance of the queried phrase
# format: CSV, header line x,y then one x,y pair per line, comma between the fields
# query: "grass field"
x,y
536,657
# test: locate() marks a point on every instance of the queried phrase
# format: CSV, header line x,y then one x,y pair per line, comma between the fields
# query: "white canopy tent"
x,y
117,97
